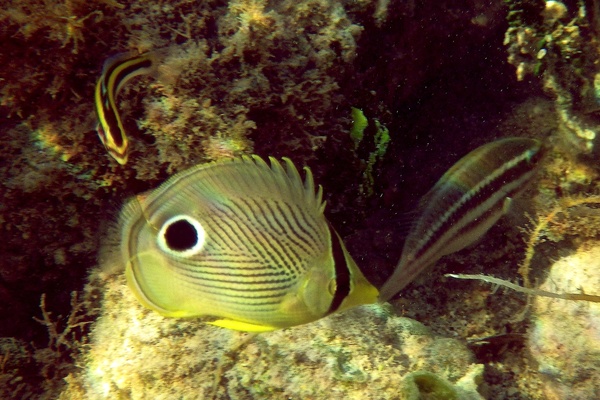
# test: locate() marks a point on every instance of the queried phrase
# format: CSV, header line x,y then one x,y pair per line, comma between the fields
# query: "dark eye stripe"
x,y
342,273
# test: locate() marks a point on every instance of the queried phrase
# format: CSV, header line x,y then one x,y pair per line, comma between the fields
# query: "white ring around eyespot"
x,y
200,233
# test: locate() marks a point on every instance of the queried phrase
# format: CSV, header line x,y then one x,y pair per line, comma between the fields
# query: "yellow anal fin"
x,y
241,326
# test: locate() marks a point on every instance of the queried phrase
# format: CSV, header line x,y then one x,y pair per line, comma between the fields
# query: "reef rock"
x,y
565,336
364,353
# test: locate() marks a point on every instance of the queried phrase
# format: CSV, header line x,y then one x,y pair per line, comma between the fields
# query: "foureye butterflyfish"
x,y
464,204
241,241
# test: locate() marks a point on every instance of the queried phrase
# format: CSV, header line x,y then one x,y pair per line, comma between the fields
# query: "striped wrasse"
x,y
466,202
116,72
241,241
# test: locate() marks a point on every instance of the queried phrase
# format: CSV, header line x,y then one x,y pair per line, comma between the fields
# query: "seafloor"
x,y
280,78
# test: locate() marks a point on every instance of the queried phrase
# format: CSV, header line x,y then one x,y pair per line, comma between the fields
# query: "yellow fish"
x,y
242,241
116,72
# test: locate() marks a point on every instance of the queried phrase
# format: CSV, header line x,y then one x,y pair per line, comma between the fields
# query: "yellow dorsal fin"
x,y
248,176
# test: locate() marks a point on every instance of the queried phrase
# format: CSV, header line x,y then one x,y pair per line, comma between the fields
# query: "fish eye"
x,y
181,235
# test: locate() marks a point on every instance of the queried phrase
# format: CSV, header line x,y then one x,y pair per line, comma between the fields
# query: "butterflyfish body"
x,y
466,202
241,241
116,72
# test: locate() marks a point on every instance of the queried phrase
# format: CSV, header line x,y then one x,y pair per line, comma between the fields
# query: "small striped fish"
x,y
116,72
241,241
466,202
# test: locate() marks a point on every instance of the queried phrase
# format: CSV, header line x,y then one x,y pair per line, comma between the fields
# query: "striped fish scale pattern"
x,y
272,251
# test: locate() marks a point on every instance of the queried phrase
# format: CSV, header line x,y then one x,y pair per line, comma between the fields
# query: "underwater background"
x,y
433,79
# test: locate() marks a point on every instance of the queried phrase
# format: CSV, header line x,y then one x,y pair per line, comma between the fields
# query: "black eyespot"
x,y
181,235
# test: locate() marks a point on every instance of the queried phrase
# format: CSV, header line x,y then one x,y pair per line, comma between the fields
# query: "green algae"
x,y
359,124
378,145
